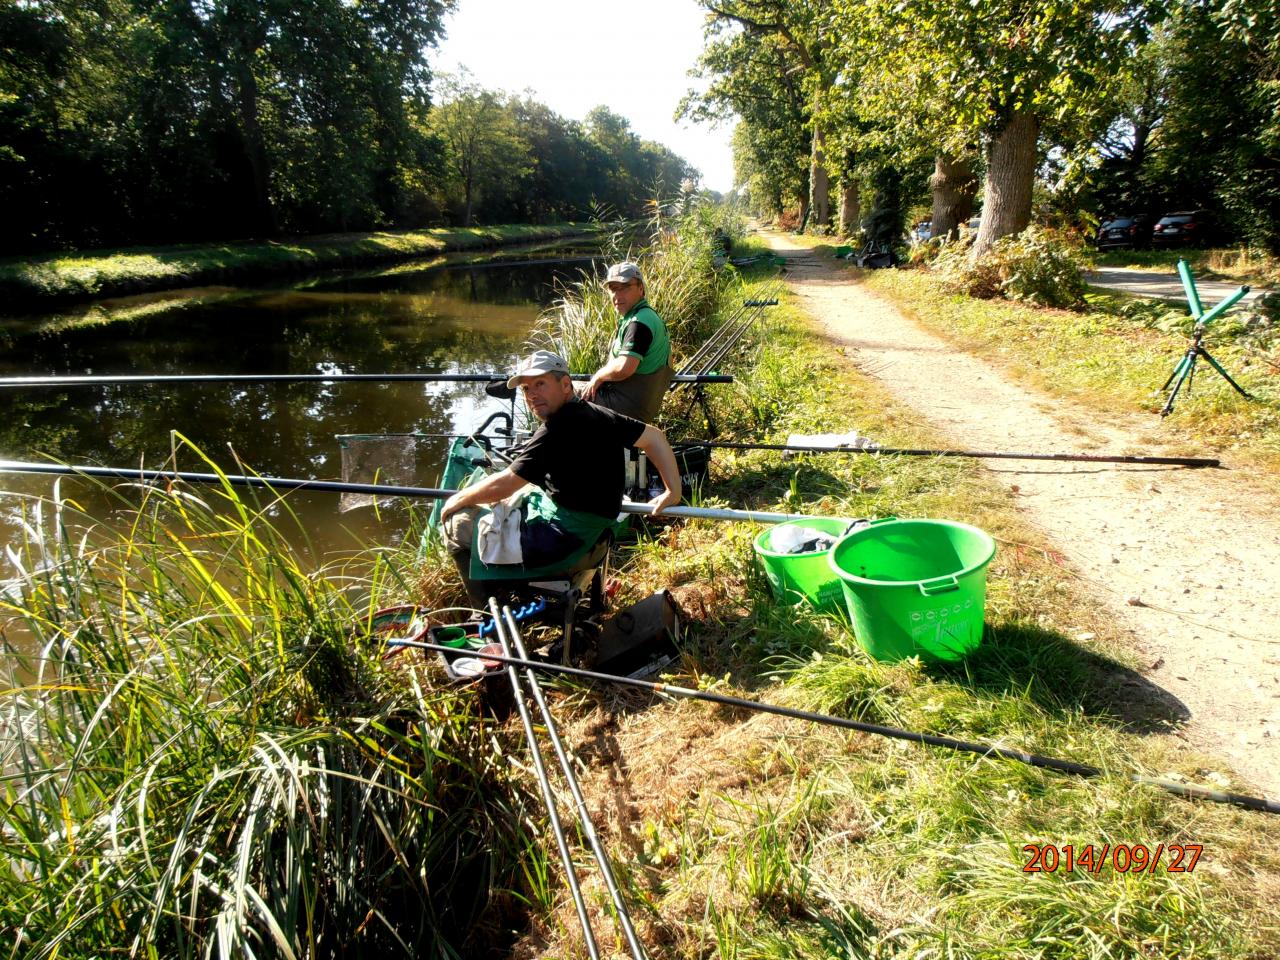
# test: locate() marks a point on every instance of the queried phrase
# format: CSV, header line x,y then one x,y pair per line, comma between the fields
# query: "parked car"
x,y
1130,231
924,230
1183,228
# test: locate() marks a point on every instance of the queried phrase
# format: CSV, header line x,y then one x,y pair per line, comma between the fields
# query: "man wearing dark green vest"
x,y
638,372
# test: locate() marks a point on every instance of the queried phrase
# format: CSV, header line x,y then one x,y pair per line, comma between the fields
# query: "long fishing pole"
x,y
511,634
337,486
732,340
758,303
548,797
982,749
976,454
123,379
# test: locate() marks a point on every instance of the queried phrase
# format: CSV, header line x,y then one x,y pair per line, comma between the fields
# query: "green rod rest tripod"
x,y
1184,372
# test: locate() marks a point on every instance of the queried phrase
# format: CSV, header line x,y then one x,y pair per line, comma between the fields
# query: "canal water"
x,y
446,315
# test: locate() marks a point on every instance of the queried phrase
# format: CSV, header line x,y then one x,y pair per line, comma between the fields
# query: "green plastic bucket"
x,y
802,576
915,587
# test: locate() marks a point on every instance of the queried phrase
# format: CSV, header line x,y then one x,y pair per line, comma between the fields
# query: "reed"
x,y
204,754
682,283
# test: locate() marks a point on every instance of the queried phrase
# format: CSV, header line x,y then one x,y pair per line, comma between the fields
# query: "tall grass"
x,y
677,258
203,756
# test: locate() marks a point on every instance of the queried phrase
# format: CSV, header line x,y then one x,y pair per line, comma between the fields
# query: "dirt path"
x,y
1198,550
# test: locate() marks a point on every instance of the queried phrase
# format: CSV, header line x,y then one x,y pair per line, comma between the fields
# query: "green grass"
x,y
31,282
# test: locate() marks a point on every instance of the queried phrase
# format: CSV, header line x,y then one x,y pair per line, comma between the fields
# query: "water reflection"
x,y
436,316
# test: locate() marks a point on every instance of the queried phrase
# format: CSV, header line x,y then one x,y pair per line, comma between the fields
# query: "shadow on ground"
x,y
1058,674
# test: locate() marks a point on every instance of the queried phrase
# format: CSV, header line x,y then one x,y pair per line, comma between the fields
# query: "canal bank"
x,y
36,283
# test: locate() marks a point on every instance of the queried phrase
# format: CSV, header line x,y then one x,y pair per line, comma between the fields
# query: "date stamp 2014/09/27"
x,y
1121,857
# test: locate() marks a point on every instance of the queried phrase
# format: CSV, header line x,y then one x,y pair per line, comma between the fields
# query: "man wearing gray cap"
x,y
575,458
638,372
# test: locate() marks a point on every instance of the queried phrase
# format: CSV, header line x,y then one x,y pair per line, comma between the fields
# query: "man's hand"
x,y
451,506
669,498
589,391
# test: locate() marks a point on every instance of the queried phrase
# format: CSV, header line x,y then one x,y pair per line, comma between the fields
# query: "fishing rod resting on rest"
x,y
136,474
107,380
964,746
976,454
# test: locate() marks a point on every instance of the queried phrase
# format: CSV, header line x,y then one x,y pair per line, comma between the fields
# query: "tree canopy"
x,y
130,121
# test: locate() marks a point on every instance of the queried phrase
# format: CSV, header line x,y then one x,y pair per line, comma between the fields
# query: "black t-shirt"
x,y
576,456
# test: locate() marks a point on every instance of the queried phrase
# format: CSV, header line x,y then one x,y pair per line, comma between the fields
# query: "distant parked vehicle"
x,y
1184,228
924,230
1131,231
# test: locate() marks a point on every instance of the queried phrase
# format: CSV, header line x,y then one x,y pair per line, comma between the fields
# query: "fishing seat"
x,y
565,592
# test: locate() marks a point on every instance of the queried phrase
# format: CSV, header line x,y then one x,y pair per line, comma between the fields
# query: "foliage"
x,y
128,120
1039,265
206,756
754,79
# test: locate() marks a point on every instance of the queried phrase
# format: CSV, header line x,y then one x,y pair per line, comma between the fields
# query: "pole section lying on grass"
x,y
986,750
512,633
548,797
976,454
338,486
108,380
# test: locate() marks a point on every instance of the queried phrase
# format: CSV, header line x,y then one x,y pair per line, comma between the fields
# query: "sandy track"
x,y
1199,549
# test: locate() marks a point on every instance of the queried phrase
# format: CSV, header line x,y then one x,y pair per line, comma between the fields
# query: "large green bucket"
x,y
915,587
802,576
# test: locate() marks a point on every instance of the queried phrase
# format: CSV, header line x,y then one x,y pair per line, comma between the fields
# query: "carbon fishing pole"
x,y
976,454
110,380
337,486
511,634
730,331
1261,804
548,797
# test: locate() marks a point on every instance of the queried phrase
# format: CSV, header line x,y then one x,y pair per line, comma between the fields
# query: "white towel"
x,y
833,441
498,535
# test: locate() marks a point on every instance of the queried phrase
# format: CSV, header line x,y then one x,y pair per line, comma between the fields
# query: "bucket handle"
x,y
939,585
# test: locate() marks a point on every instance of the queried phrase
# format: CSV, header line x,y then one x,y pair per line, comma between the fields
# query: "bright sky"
x,y
576,54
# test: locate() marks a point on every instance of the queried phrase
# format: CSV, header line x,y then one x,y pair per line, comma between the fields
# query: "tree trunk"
x,y
954,187
819,184
255,152
850,210
1011,168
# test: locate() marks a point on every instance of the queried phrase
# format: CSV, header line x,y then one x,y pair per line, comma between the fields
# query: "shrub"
x,y
1039,265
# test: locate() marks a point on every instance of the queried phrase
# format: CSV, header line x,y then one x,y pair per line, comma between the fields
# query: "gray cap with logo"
x,y
623,272
540,361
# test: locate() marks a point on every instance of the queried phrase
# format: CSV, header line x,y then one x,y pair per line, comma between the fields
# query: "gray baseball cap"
x,y
623,272
540,361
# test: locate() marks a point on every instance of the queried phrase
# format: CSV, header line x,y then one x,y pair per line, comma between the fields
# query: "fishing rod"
x,y
111,380
732,340
1087,771
548,797
767,298
976,454
511,634
338,486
